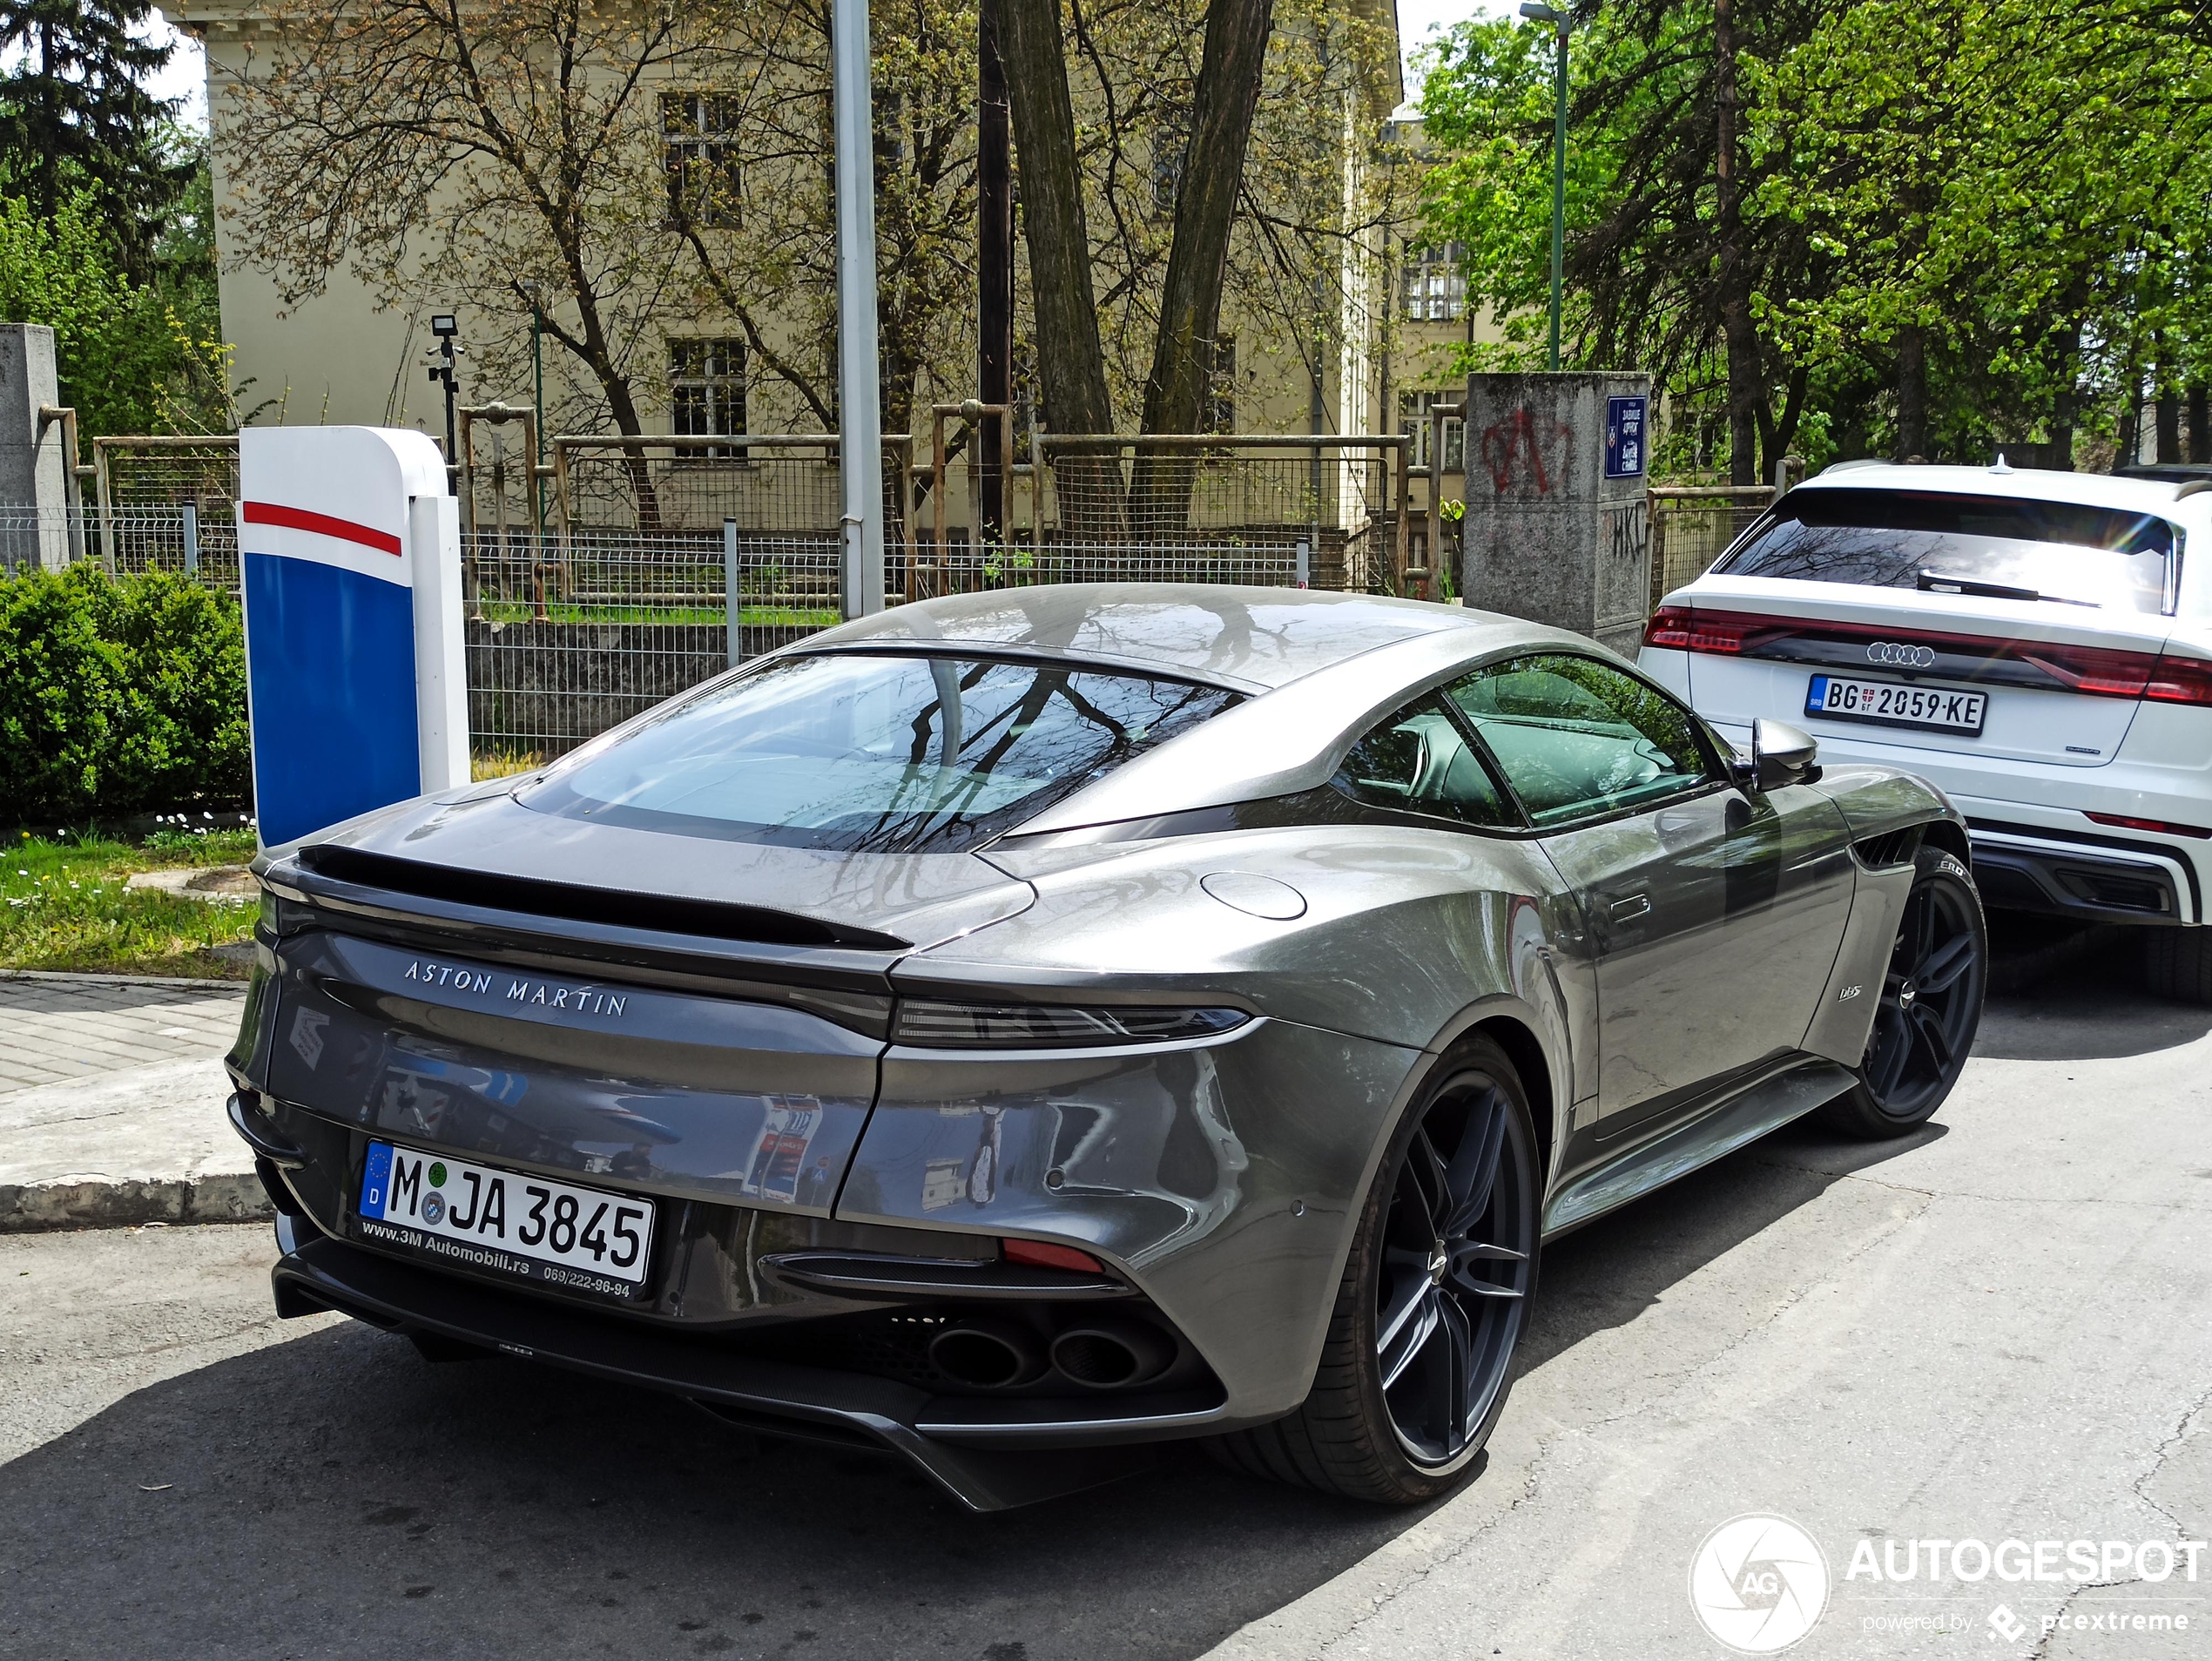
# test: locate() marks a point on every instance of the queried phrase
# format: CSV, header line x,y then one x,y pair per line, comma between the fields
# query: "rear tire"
x,y
1930,1004
1418,1356
2179,964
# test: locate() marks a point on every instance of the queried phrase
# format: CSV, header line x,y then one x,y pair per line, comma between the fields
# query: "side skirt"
x,y
1720,1130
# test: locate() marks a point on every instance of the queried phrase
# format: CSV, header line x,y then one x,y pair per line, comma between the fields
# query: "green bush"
x,y
118,695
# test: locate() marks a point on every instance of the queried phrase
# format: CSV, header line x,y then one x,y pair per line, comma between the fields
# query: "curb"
x,y
159,981
94,1202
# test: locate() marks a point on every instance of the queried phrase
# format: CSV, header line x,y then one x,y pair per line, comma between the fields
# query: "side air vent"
x,y
1891,847
574,902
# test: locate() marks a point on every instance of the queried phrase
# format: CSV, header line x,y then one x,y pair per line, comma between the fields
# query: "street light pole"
x,y
1539,12
858,397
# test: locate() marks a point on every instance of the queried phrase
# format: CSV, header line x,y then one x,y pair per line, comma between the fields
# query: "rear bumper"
x,y
2020,868
988,1456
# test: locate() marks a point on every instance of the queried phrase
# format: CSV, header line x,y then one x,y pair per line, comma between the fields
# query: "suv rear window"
x,y
893,754
1998,546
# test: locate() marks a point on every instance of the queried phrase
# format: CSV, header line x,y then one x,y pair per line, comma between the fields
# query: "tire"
x,y
1410,1439
1933,989
2178,964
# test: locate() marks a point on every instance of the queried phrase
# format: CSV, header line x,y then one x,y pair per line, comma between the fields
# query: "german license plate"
x,y
472,1216
1845,698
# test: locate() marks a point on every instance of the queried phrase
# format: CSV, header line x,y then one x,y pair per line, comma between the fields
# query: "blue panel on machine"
x,y
332,675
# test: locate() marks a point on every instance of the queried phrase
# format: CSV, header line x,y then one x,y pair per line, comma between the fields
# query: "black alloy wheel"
x,y
1457,1257
1930,1006
1433,1300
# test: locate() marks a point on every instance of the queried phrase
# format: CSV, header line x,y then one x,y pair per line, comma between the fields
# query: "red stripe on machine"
x,y
270,513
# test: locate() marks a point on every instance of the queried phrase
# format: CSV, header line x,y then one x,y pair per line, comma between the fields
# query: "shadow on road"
x,y
2078,996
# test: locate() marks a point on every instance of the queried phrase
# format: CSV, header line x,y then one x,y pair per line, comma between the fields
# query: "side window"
x,y
1418,761
1576,737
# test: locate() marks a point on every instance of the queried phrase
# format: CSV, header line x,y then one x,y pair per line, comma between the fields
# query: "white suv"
x,y
2039,645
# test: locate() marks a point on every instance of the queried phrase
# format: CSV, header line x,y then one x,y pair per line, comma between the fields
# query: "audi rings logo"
x,y
1759,1584
1898,655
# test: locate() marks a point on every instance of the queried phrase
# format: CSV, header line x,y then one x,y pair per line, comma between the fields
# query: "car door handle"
x,y
1635,906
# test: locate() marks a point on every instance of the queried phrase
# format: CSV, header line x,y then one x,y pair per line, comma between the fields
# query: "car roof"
x,y
1253,640
2030,484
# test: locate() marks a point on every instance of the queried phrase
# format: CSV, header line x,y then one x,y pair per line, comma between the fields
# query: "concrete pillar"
x,y
1557,528
34,476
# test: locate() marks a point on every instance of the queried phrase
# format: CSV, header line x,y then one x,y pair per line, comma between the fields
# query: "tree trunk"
x,y
2200,415
1911,394
1187,348
2169,411
1733,293
1071,363
1205,204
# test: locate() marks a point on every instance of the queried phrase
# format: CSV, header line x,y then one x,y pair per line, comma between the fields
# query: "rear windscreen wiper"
x,y
1944,582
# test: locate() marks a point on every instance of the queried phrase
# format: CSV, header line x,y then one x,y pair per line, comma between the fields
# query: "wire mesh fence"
x,y
628,570
571,635
1317,512
1693,525
123,542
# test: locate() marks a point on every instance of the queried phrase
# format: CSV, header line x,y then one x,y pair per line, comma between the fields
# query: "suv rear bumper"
x,y
2092,879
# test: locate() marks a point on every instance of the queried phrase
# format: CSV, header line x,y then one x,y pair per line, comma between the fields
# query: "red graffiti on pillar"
x,y
1517,439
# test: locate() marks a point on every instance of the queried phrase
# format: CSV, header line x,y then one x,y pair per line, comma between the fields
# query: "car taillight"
x,y
1683,628
2164,827
1050,1026
2179,680
1040,1254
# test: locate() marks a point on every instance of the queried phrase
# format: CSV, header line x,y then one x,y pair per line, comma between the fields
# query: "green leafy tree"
x,y
74,111
129,358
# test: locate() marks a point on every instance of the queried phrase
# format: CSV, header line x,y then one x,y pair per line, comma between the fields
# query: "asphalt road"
x,y
2001,1326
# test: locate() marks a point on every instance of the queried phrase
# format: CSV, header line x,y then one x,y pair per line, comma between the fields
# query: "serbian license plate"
x,y
582,1239
1840,697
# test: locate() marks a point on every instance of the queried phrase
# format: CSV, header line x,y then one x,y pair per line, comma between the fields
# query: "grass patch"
x,y
64,905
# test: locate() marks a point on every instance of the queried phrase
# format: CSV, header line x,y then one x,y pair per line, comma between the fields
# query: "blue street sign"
x,y
1626,438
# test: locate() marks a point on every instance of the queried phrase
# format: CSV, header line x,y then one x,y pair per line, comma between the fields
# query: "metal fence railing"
x,y
1693,525
621,571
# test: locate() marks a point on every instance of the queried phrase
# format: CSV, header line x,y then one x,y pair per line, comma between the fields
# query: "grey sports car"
x,y
1024,1028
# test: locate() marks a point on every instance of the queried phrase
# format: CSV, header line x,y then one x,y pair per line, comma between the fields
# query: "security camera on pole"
x,y
446,328
860,417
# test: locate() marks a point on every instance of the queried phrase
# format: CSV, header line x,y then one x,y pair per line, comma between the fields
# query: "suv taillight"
x,y
1681,628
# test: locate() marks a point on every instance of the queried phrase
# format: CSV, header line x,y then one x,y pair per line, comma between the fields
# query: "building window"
x,y
1221,389
699,148
1413,421
706,392
1435,284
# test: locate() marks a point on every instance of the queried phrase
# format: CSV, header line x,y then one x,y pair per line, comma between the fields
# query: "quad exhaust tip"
x,y
1111,1354
1098,1355
987,1355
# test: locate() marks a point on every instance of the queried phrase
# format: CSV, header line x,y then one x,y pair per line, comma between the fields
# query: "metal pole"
x,y
537,382
995,269
730,586
858,402
191,539
1558,190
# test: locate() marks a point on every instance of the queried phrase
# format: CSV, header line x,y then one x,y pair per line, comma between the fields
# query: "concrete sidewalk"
x,y
111,1095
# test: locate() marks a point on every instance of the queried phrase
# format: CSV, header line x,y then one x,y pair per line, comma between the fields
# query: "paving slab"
x,y
112,1104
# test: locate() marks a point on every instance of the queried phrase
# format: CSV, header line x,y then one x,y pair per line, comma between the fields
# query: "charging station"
x,y
349,550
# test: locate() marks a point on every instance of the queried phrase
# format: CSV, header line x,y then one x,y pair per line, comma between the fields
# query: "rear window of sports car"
x,y
2003,547
869,750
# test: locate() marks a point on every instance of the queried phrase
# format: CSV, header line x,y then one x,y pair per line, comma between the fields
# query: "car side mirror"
x,y
1781,754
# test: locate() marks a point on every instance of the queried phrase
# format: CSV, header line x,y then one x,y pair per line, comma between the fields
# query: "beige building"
x,y
1364,359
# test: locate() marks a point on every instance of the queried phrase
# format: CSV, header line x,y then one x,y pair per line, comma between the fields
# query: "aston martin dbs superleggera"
x,y
1022,1028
